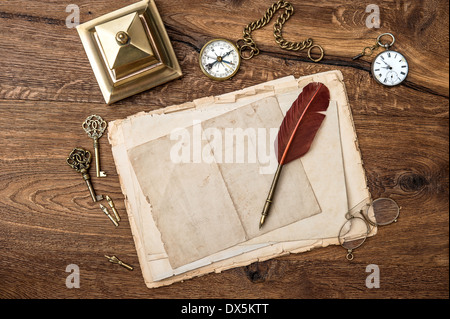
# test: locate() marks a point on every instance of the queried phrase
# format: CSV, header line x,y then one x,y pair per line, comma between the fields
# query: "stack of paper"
x,y
195,178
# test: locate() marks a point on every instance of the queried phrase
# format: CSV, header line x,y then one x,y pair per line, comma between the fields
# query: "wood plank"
x,y
69,77
61,220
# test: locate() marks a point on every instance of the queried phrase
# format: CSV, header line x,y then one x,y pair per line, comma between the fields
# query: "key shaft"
x,y
358,56
97,158
87,179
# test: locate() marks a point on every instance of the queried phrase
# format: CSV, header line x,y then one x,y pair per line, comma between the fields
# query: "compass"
x,y
219,59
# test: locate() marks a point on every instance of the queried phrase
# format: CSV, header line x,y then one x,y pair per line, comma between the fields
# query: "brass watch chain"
x,y
248,44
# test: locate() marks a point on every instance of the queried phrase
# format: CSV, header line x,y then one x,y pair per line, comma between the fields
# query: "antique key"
x,y
80,159
94,126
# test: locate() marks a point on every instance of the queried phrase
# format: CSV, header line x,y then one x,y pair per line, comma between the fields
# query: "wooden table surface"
x,y
47,88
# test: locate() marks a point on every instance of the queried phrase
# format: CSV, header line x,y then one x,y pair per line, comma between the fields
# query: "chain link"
x,y
247,46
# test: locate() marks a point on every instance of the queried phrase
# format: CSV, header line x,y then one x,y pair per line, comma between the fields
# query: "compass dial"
x,y
390,68
219,59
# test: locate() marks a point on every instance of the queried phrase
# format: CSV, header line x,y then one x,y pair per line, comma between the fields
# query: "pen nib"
x,y
261,222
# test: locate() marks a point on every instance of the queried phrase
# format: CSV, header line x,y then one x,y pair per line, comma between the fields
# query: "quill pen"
x,y
297,131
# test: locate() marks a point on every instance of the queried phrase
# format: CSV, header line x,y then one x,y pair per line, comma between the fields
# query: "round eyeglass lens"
x,y
383,211
353,233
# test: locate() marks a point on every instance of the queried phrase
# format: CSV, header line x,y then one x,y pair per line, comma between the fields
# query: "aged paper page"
x,y
124,134
331,175
135,130
190,203
195,199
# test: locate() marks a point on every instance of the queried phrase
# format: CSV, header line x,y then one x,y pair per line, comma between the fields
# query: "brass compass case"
x,y
129,51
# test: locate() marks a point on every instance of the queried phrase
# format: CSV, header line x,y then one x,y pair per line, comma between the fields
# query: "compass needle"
x,y
225,63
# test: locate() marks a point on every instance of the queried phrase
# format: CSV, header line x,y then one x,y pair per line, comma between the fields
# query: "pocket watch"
x,y
219,59
389,67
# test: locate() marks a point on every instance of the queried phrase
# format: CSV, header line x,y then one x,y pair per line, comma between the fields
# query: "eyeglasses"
x,y
354,232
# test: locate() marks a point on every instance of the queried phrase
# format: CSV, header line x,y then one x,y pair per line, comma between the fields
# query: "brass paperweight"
x,y
129,51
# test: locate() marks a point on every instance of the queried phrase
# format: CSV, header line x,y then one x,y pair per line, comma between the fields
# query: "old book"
x,y
194,198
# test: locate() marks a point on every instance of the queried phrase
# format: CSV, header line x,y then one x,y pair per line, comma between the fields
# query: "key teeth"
x,y
102,174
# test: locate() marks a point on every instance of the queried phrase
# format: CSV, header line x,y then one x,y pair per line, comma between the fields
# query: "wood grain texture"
x,y
47,89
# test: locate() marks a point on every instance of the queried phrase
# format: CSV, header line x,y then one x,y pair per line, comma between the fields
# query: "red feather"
x,y
297,131
301,123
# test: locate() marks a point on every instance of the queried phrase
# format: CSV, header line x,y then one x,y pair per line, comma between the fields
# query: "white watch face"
x,y
390,68
219,59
